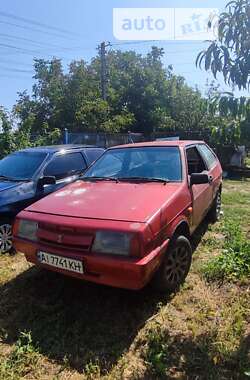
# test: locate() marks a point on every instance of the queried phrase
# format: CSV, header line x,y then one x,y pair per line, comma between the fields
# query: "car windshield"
x,y
21,165
145,163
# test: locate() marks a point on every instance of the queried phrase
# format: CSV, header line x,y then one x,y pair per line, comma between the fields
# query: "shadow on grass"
x,y
71,319
199,233
188,357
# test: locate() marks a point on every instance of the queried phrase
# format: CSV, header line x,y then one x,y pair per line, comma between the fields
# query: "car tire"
x,y
6,237
215,212
175,266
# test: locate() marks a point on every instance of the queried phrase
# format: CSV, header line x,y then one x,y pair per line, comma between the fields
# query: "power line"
x,y
133,43
167,52
18,48
182,63
37,55
16,70
10,62
8,76
48,45
153,41
102,49
11,37
34,30
33,22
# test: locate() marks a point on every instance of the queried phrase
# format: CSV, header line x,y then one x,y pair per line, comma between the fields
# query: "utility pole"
x,y
102,50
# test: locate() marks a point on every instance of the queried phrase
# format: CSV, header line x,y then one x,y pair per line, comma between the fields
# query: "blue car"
x,y
30,174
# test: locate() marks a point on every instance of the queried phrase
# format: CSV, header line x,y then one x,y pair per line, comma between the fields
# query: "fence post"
x,y
66,136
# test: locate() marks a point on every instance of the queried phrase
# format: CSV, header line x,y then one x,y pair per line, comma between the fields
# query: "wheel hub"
x,y
218,204
5,238
176,265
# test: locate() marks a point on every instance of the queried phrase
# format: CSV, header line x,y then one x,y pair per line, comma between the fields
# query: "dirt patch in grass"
x,y
53,327
11,266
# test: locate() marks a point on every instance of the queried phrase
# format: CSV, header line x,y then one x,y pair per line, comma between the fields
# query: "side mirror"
x,y
47,180
198,179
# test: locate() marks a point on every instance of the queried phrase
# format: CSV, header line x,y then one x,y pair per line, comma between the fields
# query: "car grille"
x,y
64,237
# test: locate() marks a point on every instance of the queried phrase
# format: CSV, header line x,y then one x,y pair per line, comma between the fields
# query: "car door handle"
x,y
210,178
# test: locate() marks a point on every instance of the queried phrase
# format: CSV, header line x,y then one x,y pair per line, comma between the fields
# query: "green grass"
x,y
22,359
234,260
157,351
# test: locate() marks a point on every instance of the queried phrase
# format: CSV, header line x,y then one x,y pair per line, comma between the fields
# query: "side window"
x,y
93,154
195,162
208,155
64,165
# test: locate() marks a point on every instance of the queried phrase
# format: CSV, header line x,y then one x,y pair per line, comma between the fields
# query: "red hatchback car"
x,y
129,219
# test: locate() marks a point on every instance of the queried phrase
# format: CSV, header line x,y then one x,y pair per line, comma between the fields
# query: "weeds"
x,y
234,261
92,370
22,359
156,355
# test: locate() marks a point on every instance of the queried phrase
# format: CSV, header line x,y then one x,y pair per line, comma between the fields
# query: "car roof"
x,y
180,143
58,148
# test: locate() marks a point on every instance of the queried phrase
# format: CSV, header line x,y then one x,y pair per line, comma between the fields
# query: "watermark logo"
x,y
165,23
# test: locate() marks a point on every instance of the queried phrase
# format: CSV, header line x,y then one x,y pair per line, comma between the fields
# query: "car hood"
x,y
13,192
107,200
7,185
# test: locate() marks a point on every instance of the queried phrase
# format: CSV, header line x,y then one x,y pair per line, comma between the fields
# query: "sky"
x,y
72,30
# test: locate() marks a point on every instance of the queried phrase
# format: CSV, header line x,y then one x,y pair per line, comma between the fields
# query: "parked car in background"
x,y
30,174
129,219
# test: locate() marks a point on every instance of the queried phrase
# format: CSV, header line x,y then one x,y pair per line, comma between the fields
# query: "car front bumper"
x,y
128,273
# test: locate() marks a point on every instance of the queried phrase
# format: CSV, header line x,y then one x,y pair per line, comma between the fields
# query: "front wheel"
x,y
175,266
5,237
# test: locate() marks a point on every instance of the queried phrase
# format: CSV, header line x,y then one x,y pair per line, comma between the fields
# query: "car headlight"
x,y
27,229
115,243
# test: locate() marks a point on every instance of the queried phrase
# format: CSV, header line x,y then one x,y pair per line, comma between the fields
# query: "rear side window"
x,y
195,161
93,154
208,155
64,165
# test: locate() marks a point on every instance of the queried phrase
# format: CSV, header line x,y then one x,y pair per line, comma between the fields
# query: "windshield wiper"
x,y
100,179
5,178
144,179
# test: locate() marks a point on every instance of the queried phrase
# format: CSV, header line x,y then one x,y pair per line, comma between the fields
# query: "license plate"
x,y
60,262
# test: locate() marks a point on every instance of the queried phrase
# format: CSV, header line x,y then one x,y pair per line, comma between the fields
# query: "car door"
x,y
201,194
213,165
65,168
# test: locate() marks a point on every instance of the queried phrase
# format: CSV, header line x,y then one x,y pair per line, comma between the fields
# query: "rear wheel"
x,y
175,266
5,237
215,212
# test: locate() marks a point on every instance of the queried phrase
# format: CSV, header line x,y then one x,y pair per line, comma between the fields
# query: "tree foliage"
x,y
142,96
14,139
230,54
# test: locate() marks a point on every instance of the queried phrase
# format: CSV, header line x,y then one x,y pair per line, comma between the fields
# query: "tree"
x,y
158,99
7,143
142,96
187,107
230,54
